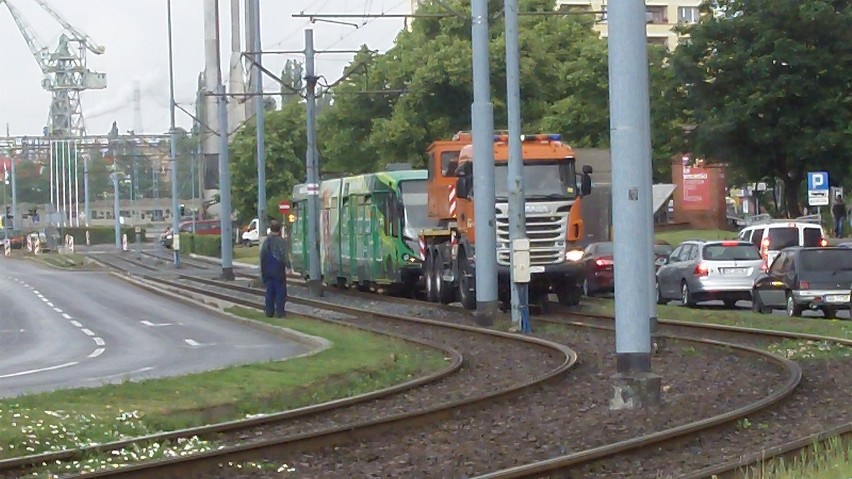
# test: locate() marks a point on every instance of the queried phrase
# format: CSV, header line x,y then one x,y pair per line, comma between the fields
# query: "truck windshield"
x,y
414,200
542,180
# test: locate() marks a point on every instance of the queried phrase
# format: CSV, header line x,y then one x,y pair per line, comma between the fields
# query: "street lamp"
x,y
173,145
116,207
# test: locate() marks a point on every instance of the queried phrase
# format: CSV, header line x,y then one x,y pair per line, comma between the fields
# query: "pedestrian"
x,y
274,266
839,212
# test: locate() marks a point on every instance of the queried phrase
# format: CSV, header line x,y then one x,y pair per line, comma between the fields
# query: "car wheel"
x,y
793,310
829,313
757,305
686,296
730,303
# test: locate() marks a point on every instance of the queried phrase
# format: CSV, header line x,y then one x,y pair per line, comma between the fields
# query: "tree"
x,y
768,85
286,144
293,77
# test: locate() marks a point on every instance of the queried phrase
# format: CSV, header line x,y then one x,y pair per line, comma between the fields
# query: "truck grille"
x,y
546,232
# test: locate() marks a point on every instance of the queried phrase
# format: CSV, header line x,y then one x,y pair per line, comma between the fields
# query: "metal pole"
x,y
52,185
260,117
76,184
86,211
227,224
173,146
631,188
483,168
116,209
515,177
312,168
15,222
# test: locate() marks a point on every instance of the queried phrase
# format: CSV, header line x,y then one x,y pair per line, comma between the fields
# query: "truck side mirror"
x,y
586,181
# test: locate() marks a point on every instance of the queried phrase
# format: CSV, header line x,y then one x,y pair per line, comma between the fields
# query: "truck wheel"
x,y
568,293
446,294
467,285
429,275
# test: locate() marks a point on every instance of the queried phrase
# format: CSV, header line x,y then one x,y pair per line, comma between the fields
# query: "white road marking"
x,y
154,325
34,371
44,299
87,332
192,343
49,303
99,341
96,353
76,323
35,292
66,315
58,310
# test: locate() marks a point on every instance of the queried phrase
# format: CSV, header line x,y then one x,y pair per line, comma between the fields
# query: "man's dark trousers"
x,y
276,297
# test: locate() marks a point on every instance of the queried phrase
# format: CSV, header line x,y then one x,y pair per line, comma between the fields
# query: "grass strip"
x,y
735,317
357,363
832,460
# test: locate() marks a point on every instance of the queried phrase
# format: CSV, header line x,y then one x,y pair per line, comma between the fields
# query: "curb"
x,y
317,344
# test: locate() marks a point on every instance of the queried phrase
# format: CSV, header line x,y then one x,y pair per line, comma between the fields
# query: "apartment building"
x,y
661,17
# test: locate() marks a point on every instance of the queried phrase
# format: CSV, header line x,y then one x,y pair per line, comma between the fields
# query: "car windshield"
x,y
541,180
414,200
663,249
826,260
780,238
736,252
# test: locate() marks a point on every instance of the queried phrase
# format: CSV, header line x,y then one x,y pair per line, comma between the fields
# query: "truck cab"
x,y
251,235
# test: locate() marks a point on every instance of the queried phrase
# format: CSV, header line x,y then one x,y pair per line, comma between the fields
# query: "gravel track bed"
x,y
490,364
821,402
567,415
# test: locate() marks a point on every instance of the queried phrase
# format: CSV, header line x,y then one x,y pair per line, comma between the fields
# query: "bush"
x,y
205,245
99,234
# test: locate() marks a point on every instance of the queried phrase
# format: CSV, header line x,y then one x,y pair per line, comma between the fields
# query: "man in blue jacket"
x,y
274,266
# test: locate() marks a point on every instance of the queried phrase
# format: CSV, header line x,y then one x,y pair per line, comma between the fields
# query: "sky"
x,y
134,33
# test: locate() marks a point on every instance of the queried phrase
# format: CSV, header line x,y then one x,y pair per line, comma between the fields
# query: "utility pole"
x,y
86,211
312,169
116,207
15,223
515,179
482,113
630,135
227,224
260,115
173,147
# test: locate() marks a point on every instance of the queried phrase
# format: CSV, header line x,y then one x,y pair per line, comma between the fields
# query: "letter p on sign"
x,y
817,180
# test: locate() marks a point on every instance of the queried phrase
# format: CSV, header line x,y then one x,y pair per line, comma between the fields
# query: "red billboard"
x,y
696,189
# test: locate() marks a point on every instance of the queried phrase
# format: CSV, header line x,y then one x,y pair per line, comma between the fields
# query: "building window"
x,y
687,14
656,15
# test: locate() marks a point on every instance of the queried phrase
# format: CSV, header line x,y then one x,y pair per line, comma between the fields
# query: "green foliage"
x,y
286,144
768,85
98,235
204,245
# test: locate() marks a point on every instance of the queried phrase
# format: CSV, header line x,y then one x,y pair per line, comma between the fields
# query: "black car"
x,y
806,278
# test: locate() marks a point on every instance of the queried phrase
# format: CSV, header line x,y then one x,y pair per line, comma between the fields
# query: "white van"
x,y
774,235
251,235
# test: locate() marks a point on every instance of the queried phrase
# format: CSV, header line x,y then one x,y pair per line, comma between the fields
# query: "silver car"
x,y
707,270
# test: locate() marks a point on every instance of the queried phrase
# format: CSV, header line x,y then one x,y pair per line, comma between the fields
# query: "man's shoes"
x,y
282,315
269,315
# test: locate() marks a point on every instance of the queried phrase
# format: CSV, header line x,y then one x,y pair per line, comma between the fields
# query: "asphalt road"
x,y
65,329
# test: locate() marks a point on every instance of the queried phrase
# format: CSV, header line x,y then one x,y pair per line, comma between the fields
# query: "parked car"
x,y
598,274
662,250
774,235
707,270
806,278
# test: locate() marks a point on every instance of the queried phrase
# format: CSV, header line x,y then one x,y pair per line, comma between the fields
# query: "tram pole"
x,y
227,224
312,169
630,136
482,118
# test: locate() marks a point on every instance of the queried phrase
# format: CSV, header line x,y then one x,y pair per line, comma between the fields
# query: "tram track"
x,y
205,286
483,381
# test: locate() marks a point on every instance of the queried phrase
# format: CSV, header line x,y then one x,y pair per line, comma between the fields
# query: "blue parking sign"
x,y
817,180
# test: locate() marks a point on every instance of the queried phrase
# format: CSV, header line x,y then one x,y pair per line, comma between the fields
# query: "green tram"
x,y
369,230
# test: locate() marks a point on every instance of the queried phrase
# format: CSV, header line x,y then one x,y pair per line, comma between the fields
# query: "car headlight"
x,y
574,255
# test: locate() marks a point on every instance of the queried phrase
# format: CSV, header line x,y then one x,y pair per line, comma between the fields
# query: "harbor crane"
x,y
65,72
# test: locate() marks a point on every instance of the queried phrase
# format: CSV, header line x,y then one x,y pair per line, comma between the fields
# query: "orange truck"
x,y
554,222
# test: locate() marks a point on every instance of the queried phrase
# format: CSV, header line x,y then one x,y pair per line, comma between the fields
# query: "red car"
x,y
597,269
